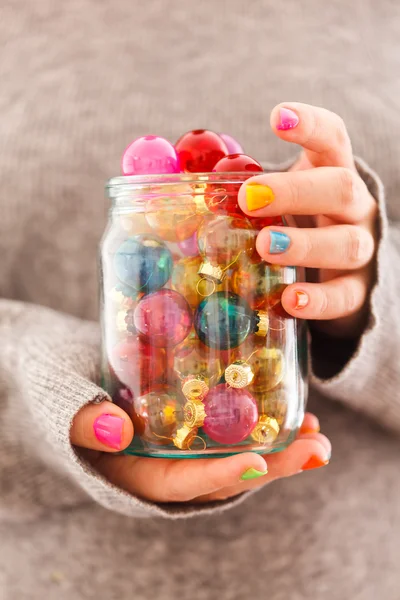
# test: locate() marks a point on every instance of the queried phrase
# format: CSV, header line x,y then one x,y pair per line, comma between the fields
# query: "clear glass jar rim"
x,y
135,182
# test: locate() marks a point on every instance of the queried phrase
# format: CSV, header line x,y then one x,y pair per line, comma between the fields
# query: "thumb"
x,y
104,427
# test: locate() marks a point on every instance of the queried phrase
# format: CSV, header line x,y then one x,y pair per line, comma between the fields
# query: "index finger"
x,y
321,133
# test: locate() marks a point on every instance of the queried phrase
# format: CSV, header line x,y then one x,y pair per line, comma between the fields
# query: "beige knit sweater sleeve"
x,y
49,369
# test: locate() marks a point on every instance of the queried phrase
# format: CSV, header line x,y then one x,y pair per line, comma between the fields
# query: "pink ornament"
x,y
189,247
150,155
231,414
233,146
164,318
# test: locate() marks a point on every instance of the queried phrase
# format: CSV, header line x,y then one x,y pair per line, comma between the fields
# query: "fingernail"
x,y
108,430
287,119
253,474
258,196
279,242
310,429
302,300
314,462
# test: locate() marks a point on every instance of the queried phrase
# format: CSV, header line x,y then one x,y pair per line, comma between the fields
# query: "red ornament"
x,y
261,222
238,163
223,198
200,150
137,364
164,318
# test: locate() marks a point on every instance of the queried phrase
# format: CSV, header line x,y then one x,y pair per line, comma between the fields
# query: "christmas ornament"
x,y
116,297
143,263
184,437
232,145
158,414
273,403
259,223
239,374
266,431
193,360
260,366
231,414
174,219
199,150
224,320
194,413
137,364
222,241
235,163
189,246
185,279
254,281
164,318
194,387
150,155
134,222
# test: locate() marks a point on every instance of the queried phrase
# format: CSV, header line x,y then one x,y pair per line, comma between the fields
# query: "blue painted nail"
x,y
280,242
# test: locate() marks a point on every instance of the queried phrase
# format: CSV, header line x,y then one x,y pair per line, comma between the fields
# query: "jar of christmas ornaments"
x,y
197,347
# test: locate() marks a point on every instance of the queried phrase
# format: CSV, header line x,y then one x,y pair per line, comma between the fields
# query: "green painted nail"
x,y
252,474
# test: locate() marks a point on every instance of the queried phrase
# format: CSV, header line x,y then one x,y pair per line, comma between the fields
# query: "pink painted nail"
x,y
302,300
108,430
287,119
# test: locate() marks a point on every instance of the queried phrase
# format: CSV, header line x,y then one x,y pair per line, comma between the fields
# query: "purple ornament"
x,y
150,155
231,414
189,247
233,146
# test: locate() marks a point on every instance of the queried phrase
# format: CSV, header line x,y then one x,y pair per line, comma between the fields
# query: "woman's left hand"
x,y
336,215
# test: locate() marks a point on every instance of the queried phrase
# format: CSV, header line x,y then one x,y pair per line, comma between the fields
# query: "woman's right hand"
x,y
102,430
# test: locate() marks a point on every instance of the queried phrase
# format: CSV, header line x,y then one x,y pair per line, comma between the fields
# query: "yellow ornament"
x,y
266,431
254,281
191,358
193,387
186,280
273,403
173,218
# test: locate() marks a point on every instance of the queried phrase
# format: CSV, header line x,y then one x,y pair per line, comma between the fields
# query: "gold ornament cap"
x,y
194,413
266,431
184,437
124,321
239,374
194,388
263,323
211,272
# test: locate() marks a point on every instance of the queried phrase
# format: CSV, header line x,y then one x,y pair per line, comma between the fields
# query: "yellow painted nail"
x,y
258,196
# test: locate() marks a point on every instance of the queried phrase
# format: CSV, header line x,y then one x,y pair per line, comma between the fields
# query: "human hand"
x,y
335,213
101,430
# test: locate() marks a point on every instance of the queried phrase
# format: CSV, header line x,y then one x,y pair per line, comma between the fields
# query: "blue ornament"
x,y
224,320
144,263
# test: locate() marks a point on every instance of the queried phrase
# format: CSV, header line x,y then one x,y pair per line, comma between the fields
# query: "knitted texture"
x,y
79,81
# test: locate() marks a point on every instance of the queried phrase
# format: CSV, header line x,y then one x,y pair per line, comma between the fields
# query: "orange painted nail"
x,y
302,300
314,462
310,429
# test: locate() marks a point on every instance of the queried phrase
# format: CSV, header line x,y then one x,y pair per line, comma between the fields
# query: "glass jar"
x,y
197,348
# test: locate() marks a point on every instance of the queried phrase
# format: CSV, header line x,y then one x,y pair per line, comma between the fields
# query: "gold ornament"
x,y
273,403
266,431
119,299
185,279
239,374
191,358
194,388
268,368
262,326
194,413
211,272
184,437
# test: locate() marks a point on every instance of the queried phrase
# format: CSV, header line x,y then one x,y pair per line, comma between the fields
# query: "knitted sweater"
x,y
80,80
